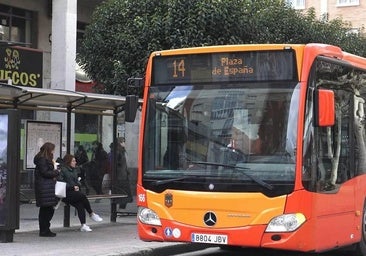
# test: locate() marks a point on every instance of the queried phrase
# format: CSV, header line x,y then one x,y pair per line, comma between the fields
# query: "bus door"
x,y
335,201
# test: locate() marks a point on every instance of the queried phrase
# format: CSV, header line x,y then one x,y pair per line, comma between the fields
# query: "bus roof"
x,y
226,48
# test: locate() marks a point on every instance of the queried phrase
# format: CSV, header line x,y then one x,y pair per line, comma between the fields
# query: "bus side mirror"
x,y
324,108
131,105
132,101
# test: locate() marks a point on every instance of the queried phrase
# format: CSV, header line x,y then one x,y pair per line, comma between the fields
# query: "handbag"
x,y
106,182
60,189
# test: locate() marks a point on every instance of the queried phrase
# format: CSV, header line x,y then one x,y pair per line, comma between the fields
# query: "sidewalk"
x,y
107,238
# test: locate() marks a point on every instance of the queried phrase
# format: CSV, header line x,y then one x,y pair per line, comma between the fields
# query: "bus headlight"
x,y
286,222
148,216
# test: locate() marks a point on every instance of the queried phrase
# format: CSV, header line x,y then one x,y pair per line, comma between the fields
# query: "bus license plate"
x,y
209,238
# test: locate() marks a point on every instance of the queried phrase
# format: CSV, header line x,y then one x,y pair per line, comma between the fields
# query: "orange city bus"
x,y
257,145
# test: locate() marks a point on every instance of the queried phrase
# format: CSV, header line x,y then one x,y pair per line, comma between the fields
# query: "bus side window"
x,y
334,146
336,153
360,138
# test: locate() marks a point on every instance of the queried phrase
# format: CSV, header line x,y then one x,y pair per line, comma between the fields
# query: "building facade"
x,y
38,46
29,24
353,11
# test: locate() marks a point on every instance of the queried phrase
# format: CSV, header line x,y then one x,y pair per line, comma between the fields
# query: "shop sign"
x,y
24,66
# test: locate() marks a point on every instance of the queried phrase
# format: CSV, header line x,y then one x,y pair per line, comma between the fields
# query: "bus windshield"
x,y
235,137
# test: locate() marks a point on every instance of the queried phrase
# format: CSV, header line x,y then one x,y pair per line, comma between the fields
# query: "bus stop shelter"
x,y
55,100
68,102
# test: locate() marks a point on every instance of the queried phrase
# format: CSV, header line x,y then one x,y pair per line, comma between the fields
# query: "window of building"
x,y
297,4
347,2
16,25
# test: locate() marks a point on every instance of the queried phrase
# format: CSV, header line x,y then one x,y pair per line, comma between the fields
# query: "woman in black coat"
x,y
45,175
98,167
121,182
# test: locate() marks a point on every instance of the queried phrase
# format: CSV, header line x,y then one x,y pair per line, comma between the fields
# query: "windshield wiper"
x,y
242,171
162,182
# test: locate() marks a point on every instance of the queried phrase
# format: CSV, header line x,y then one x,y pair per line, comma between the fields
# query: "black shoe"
x,y
47,234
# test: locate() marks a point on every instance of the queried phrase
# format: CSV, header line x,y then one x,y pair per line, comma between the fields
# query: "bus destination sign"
x,y
220,67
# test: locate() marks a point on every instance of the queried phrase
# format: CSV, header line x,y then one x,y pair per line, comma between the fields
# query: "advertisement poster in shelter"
x,y
37,133
3,166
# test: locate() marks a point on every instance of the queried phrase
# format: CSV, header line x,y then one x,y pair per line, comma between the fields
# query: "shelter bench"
x,y
113,217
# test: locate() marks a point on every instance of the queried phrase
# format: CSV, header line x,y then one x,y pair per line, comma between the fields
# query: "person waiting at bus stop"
x,y
45,175
98,167
81,161
74,196
121,182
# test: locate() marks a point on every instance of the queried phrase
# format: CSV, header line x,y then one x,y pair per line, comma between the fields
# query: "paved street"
x,y
107,238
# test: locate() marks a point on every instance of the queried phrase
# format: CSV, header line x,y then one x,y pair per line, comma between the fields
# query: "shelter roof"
x,y
59,100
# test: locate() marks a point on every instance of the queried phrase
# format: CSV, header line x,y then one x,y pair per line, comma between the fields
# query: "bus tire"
x,y
361,246
230,248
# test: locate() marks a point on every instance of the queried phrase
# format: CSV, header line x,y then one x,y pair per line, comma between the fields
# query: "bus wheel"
x,y
361,246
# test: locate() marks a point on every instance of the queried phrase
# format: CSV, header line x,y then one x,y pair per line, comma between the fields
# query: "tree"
x,y
123,33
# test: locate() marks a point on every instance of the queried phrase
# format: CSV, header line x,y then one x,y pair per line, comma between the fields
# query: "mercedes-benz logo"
x,y
210,219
